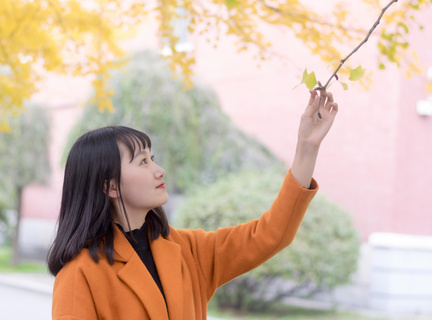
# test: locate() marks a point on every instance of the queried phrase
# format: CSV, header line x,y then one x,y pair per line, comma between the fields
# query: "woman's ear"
x,y
112,192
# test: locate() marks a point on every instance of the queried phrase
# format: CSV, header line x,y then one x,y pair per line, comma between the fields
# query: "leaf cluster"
x,y
394,45
82,37
71,36
310,80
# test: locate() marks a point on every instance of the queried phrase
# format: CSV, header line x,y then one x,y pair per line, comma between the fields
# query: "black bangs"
x,y
132,139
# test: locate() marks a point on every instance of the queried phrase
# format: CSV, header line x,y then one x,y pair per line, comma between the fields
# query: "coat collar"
x,y
168,261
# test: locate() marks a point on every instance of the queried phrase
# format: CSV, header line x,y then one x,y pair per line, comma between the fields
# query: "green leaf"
x,y
311,80
381,66
304,76
344,85
357,73
404,26
231,4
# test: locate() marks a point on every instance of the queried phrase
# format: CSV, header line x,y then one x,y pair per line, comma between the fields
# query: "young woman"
x,y
115,256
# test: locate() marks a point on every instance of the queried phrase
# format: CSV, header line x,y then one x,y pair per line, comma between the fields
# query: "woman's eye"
x,y
145,160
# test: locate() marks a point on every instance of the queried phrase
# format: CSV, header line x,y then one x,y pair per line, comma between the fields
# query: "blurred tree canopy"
x,y
82,37
192,139
322,256
24,159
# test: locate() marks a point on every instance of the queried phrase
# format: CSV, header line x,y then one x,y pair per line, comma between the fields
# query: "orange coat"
x,y
191,265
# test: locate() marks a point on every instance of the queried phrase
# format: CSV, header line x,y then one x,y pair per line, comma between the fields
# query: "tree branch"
x,y
323,88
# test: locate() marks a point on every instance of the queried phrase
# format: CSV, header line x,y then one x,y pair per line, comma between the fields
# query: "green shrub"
x,y
323,255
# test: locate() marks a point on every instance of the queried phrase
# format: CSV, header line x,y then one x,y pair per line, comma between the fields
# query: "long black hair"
x,y
86,212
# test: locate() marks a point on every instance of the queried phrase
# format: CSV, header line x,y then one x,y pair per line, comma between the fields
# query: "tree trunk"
x,y
15,247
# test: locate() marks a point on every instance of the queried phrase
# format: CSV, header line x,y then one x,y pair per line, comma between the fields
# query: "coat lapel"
x,y
168,260
136,276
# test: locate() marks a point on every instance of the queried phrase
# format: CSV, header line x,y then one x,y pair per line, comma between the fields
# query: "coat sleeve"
x,y
72,297
229,252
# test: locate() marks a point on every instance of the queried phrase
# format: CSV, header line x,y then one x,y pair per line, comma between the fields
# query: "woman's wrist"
x,y
306,147
304,163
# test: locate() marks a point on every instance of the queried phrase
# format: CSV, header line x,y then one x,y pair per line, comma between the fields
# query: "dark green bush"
x,y
323,255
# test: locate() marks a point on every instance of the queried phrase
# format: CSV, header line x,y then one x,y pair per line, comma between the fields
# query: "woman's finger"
x,y
329,96
330,104
334,107
312,104
313,95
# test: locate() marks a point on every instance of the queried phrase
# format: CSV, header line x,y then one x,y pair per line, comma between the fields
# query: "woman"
x,y
116,257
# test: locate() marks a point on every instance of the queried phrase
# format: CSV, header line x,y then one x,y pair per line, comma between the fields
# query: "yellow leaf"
x,y
357,73
311,80
231,4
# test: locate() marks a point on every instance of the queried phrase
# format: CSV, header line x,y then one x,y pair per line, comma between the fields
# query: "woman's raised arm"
x,y
310,136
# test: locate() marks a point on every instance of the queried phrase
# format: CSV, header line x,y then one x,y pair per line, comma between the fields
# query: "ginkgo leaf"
x,y
357,73
344,85
311,80
231,3
303,78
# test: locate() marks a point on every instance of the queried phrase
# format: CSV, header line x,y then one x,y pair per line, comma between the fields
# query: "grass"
x,y
290,313
284,312
27,267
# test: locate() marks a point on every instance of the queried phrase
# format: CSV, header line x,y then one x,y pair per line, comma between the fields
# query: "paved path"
x,y
21,304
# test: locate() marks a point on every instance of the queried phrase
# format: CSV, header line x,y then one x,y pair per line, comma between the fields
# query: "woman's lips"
x,y
162,185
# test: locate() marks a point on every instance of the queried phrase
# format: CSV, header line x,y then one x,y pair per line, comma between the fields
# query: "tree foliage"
x,y
82,37
323,255
24,152
192,139
24,159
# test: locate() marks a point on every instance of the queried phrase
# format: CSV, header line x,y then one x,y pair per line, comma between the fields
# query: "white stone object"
x,y
401,273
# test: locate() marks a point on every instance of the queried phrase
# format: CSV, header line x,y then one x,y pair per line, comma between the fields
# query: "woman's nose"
x,y
159,171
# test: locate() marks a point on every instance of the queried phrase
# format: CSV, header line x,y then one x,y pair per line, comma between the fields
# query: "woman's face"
x,y
142,184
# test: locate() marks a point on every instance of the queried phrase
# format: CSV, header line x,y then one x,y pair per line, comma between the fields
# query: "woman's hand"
x,y
311,134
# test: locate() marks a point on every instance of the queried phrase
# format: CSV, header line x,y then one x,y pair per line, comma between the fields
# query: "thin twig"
x,y
323,89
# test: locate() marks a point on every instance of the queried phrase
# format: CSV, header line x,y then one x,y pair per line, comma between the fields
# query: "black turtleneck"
x,y
142,248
